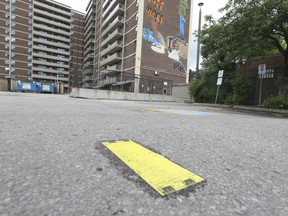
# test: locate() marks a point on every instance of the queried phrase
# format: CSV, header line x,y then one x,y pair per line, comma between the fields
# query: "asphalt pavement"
x,y
53,162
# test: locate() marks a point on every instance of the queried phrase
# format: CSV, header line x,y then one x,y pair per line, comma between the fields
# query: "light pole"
x,y
198,41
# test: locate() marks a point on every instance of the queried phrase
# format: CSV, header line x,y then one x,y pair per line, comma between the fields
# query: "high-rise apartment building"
x,y
117,44
134,39
41,40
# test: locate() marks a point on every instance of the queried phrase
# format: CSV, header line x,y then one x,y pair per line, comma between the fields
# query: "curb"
x,y
259,110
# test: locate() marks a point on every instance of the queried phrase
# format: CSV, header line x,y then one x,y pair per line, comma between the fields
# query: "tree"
x,y
248,28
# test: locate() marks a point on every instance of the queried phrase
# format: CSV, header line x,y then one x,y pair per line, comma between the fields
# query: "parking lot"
x,y
53,161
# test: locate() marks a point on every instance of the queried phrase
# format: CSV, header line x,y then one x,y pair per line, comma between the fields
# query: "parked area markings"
x,y
160,173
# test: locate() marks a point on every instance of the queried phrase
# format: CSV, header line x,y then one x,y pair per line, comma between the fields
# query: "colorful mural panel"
x,y
166,34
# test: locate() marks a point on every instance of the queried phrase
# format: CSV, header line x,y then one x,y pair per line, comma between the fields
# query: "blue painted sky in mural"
x,y
210,7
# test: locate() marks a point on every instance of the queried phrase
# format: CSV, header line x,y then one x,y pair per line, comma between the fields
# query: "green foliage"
x,y
247,29
201,92
239,93
276,103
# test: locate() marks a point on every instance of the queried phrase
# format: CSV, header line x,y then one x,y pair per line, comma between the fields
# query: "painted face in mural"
x,y
154,9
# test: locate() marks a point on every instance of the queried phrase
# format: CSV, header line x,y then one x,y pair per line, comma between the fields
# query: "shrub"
x,y
241,88
202,91
276,102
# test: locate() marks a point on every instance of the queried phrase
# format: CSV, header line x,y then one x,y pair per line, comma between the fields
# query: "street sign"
x,y
262,69
220,77
220,73
219,81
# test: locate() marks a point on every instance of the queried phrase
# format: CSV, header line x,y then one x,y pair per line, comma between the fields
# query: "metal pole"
x,y
198,41
217,94
10,46
260,91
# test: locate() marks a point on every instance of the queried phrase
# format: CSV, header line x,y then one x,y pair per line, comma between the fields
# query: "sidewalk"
x,y
251,109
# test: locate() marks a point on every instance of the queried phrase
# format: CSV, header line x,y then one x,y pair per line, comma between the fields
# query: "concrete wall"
x,y
117,95
181,92
3,85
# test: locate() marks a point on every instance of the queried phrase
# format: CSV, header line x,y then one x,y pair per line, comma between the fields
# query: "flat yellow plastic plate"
x,y
160,173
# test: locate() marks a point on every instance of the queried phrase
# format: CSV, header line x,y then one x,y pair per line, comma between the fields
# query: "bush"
x,y
276,102
202,91
241,88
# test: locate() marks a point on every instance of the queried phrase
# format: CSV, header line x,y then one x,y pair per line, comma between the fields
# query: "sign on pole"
x,y
220,77
262,69
219,82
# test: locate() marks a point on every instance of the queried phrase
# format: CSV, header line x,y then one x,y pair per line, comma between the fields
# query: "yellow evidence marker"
x,y
160,173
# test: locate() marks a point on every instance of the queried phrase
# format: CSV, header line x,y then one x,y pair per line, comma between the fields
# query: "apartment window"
x,y
7,23
7,62
7,15
13,32
29,50
13,1
136,16
7,7
29,58
29,35
12,39
29,43
135,30
137,2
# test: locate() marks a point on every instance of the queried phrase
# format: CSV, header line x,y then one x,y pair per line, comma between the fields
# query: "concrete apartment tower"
x,y
41,41
135,41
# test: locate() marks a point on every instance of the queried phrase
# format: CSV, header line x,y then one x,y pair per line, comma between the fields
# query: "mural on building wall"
x,y
165,30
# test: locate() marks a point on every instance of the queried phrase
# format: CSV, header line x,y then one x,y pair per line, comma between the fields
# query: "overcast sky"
x,y
209,7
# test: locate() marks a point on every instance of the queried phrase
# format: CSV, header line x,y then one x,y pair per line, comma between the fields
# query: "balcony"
x,y
88,50
118,11
51,50
116,35
87,72
44,13
51,22
50,64
51,8
47,28
55,37
51,43
89,43
89,56
49,70
50,78
51,57
105,4
88,36
87,79
112,48
91,18
111,59
116,23
116,67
